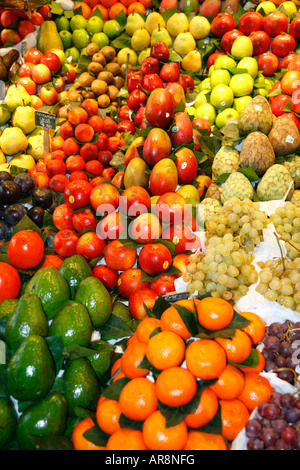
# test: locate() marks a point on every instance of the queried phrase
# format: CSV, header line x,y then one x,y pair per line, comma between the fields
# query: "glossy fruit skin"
x,y
268,63
228,39
160,51
278,103
283,44
119,257
25,249
157,146
10,282
77,194
134,201
159,108
250,21
155,258
134,80
164,284
275,23
65,242
90,245
129,282
136,99
222,23
294,29
107,276
261,42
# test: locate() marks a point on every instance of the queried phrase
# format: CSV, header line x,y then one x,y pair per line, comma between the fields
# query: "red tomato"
x,y
64,243
10,282
25,249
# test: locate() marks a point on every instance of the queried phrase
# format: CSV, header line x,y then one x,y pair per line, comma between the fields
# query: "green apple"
x,y
240,103
101,39
206,111
205,84
224,62
202,97
62,23
80,38
221,97
74,53
220,76
77,22
223,116
242,47
241,84
249,63
112,28
211,70
144,55
66,38
94,25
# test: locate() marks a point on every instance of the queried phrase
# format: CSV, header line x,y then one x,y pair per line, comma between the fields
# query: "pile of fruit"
x,y
148,151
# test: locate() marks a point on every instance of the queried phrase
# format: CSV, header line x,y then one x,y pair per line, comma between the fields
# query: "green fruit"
x,y
220,76
73,324
101,39
80,38
144,55
51,288
8,421
74,53
224,62
96,298
30,371
224,115
77,22
221,97
28,318
242,47
240,103
112,29
66,37
75,269
94,25
82,387
7,308
249,63
206,111
62,23
45,418
101,359
123,53
241,84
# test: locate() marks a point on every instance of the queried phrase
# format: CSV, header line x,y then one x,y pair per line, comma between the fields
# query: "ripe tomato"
x,y
25,249
10,282
65,242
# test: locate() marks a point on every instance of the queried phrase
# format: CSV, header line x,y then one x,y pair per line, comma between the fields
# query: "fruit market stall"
x,y
149,225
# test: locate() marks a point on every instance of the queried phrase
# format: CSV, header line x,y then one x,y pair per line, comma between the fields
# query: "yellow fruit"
x,y
188,191
199,27
289,7
23,161
185,43
266,6
192,61
122,56
2,158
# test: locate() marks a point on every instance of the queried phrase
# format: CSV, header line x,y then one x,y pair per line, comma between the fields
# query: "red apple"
x,y
130,282
48,94
157,146
107,276
170,208
137,301
134,201
159,108
155,258
119,257
164,284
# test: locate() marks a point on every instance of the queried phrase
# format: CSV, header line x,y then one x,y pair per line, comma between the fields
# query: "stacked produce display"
x,y
149,225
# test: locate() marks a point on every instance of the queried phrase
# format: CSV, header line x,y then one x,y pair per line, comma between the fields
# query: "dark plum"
x,y
10,192
36,214
14,213
26,183
5,176
42,197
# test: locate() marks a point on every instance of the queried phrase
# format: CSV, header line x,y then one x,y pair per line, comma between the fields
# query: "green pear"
x,y
161,34
153,20
177,23
144,55
184,43
5,114
134,21
140,40
36,146
17,96
13,140
24,117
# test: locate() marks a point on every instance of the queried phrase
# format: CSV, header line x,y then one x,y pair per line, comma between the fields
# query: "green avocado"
x,y
27,319
92,293
8,421
30,372
48,417
74,269
73,324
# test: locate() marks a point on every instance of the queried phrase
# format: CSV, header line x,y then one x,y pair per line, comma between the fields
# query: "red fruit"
x,y
159,108
222,23
170,208
94,168
164,284
250,21
150,65
84,219
294,64
56,167
52,61
268,63
210,8
295,102
278,104
107,276
134,80
274,87
77,194
275,23
111,226
294,29
283,64
159,50
211,59
152,81
130,282
170,72
283,44
90,245
25,27
10,282
290,82
104,198
89,152
59,183
138,300
155,258
65,242
126,125
261,42
134,201
62,217
187,165
136,99
25,249
119,257
228,39
182,130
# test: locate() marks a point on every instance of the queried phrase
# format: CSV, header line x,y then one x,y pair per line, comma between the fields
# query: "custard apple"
x,y
226,160
237,185
207,208
275,183
214,191
296,197
294,168
257,152
256,116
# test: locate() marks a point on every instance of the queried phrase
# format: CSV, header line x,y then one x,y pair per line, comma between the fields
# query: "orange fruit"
x,y
206,410
204,441
103,10
165,349
107,414
256,390
238,348
138,399
230,383
132,339
175,386
116,365
136,7
205,359
146,327
256,329
118,376
172,321
147,3
116,9
79,441
108,3
259,367
86,9
214,313
158,436
131,359
234,416
126,439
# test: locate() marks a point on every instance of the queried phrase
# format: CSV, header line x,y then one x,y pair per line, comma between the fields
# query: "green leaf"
x,y
56,8
188,318
53,443
166,14
251,361
214,426
249,173
127,423
238,322
26,224
124,40
160,305
174,56
97,12
96,436
115,328
113,391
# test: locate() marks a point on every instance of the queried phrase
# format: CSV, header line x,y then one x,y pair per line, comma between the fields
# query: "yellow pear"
x,y
2,158
177,23
153,20
134,22
192,61
23,161
123,53
199,27
184,43
13,141
140,40
161,34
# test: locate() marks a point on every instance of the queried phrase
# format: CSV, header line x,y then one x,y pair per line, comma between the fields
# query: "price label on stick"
x,y
46,121
2,90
